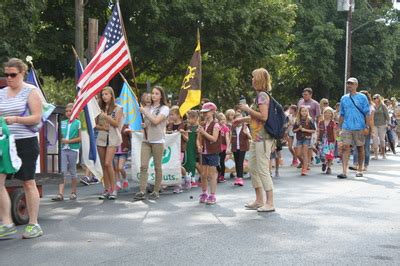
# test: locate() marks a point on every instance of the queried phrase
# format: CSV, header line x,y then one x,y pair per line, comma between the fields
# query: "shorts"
x,y
68,163
210,159
28,151
301,142
353,136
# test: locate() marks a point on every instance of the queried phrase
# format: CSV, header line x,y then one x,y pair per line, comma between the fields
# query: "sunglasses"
x,y
349,82
376,98
11,75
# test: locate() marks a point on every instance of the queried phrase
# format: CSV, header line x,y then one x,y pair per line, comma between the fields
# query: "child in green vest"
x,y
71,138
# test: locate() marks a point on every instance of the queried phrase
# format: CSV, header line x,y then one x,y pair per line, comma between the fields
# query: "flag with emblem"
x,y
111,56
130,105
190,93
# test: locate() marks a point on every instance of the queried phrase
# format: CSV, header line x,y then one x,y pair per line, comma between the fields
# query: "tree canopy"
x,y
301,43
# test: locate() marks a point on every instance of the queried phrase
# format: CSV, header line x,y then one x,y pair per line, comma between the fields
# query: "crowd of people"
x,y
315,133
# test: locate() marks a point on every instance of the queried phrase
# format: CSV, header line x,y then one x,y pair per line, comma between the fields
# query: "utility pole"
x,y
93,37
348,44
79,8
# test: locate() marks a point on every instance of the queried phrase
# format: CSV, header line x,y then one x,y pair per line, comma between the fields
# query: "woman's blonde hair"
x,y
103,105
261,79
18,64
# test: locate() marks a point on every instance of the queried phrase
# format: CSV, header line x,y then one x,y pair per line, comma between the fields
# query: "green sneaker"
x,y
7,230
32,231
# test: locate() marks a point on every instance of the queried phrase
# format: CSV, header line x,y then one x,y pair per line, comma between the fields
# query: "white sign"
x,y
343,5
171,161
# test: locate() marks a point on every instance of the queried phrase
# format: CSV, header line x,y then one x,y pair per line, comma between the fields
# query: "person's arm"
x,y
213,137
263,105
247,131
114,122
228,141
35,109
154,119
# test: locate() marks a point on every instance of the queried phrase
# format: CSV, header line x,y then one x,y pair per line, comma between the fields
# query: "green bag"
x,y
6,166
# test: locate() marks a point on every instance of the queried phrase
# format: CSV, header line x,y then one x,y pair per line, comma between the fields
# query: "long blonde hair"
x,y
298,115
261,79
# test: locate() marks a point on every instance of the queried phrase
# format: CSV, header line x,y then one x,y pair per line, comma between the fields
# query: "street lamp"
x,y
349,31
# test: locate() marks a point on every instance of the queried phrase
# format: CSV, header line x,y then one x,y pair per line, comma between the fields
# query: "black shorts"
x,y
28,151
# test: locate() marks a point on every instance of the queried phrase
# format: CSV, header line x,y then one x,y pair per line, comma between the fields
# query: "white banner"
x,y
171,161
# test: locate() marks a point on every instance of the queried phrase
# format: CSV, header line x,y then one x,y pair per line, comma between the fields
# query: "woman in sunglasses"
x,y
14,100
381,121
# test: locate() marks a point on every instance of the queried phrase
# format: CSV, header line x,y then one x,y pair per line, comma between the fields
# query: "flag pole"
x,y
37,79
126,40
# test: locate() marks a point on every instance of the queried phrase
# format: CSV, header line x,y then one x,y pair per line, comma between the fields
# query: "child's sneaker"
x,y
238,181
104,195
211,200
85,180
118,186
203,197
94,180
295,162
125,186
178,189
323,167
113,195
221,179
317,160
194,184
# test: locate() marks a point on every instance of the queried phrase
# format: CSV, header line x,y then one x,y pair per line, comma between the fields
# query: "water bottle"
x,y
242,100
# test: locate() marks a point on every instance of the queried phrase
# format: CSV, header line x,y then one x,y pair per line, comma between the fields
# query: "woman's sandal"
x,y
59,197
252,206
73,196
266,209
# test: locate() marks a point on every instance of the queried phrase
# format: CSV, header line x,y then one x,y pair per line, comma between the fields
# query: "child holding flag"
x,y
209,146
71,138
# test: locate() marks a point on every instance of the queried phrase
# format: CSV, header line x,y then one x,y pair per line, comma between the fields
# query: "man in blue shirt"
x,y
353,124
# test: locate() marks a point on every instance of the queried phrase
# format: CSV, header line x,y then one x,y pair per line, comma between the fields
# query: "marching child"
x,y
208,143
71,138
120,157
326,139
177,125
303,127
225,132
290,135
240,145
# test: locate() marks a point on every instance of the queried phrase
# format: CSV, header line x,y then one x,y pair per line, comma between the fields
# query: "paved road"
x,y
319,220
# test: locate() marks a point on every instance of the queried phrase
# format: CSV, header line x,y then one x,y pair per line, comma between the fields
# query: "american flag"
x,y
111,56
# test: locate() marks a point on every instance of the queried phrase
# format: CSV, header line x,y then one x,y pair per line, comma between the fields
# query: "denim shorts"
x,y
210,159
301,142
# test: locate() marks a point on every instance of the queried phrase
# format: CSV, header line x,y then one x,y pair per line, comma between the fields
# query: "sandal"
x,y
266,209
73,196
139,196
252,206
59,197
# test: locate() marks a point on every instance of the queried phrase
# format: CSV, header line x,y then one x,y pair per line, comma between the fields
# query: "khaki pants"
x,y
379,133
259,164
156,150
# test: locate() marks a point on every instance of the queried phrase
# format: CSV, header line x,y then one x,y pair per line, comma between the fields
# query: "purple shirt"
x,y
313,107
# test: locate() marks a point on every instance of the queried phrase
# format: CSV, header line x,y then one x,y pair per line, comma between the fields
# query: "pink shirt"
x,y
224,130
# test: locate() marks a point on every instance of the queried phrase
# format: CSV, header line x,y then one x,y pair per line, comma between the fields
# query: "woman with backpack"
x,y
260,147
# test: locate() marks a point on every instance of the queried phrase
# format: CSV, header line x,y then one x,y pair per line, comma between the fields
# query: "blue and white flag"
x,y
90,156
32,79
129,103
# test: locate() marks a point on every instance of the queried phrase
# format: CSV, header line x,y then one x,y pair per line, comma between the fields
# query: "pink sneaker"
x,y
125,186
295,163
221,179
239,181
194,184
203,197
211,200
